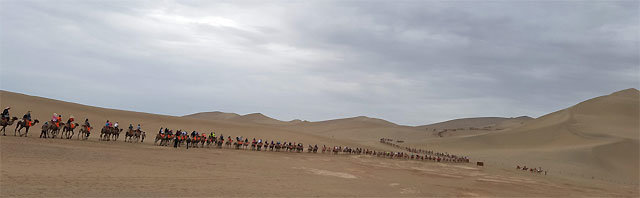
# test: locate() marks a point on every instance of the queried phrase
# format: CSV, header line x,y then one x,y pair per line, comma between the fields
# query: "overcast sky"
x,y
409,62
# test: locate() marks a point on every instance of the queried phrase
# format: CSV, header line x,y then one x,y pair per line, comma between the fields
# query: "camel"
x,y
211,140
54,129
132,135
45,128
228,143
68,130
278,147
220,142
22,124
5,123
105,133
110,133
160,137
85,131
142,136
115,133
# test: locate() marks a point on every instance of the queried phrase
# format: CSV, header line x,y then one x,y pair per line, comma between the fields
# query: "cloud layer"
x,y
410,62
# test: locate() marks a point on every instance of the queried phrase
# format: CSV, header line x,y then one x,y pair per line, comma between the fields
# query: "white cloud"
x,y
409,62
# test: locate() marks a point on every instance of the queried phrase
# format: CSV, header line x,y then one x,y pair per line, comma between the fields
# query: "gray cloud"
x,y
410,62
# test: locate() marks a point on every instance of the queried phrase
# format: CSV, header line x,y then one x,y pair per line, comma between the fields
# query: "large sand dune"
x,y
596,138
590,149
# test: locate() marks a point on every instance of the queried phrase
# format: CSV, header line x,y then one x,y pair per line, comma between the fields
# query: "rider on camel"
x,y
5,114
130,127
107,124
138,129
86,123
56,119
27,118
70,120
115,125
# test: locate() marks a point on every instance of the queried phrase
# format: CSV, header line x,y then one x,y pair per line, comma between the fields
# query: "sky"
x,y
409,62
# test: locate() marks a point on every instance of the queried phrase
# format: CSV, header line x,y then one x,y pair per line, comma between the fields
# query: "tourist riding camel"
x,y
27,117
5,114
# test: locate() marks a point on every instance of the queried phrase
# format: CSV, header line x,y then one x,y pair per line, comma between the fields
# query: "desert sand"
x,y
590,149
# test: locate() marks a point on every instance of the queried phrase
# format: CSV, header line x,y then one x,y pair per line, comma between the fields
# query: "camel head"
x,y
14,118
36,121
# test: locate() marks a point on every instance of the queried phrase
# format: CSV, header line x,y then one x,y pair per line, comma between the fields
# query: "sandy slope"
x,y
474,126
597,138
482,122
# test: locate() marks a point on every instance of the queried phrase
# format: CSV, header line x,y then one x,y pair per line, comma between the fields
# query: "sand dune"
x,y
598,137
474,126
482,122
257,118
590,149
216,115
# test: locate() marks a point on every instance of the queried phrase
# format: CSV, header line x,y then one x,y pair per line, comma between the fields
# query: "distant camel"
x,y
22,124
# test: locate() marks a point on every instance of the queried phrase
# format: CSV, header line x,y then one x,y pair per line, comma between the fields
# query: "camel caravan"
x,y
180,138
446,157
165,137
538,170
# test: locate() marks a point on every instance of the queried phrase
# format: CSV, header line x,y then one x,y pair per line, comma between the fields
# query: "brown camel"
x,y
84,132
22,124
110,133
68,130
133,135
55,129
5,123
45,128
